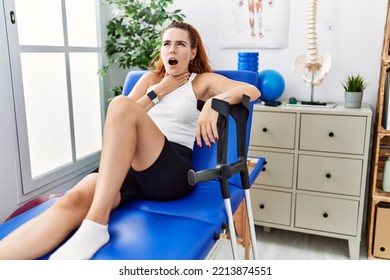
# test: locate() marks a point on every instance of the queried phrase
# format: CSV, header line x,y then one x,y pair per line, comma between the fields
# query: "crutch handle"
x,y
223,171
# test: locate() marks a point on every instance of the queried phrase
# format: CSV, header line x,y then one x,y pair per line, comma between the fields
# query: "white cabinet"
x,y
315,177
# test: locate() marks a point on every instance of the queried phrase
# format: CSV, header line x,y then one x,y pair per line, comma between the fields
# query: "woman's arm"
x,y
138,92
160,87
211,85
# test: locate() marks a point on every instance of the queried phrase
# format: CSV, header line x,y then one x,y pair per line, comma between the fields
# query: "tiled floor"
x,y
286,245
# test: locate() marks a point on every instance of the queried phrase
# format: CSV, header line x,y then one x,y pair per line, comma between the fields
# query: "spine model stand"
x,y
312,68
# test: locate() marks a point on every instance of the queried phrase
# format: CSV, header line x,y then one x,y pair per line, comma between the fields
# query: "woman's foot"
x,y
85,242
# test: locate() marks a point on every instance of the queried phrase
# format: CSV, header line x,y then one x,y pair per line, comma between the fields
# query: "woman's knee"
x,y
81,196
122,112
122,106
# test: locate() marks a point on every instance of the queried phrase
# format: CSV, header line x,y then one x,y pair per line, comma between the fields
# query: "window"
x,y
55,52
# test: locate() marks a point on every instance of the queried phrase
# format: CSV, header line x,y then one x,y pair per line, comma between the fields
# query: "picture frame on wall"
x,y
254,23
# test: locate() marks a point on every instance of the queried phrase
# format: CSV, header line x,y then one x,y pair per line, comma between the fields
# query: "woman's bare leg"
x,y
130,139
42,234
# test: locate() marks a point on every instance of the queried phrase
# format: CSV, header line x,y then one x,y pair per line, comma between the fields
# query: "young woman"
x,y
158,123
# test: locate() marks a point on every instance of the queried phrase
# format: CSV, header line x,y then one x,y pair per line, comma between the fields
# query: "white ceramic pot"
x,y
353,99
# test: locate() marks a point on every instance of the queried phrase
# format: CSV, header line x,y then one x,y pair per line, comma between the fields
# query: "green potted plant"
x,y
134,34
354,86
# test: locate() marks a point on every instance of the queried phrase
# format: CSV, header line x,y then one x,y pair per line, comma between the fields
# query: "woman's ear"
x,y
193,53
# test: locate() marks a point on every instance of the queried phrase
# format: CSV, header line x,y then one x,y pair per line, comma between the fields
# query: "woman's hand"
x,y
169,83
207,125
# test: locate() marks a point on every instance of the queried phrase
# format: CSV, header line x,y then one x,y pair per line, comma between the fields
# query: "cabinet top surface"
x,y
317,109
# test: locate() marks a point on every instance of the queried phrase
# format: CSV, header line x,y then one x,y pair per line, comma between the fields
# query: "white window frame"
x,y
56,177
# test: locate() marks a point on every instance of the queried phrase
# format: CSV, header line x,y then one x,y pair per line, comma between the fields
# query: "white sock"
x,y
86,241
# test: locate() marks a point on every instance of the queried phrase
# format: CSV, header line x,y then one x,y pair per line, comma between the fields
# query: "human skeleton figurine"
x,y
312,68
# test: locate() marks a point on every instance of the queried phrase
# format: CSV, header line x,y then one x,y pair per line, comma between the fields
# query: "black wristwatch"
x,y
153,96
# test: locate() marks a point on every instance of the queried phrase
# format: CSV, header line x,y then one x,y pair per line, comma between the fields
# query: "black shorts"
x,y
166,179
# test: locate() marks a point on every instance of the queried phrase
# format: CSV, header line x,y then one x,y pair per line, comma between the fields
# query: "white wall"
x,y
354,42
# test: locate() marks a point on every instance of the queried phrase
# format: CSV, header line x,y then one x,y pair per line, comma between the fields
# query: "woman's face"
x,y
176,51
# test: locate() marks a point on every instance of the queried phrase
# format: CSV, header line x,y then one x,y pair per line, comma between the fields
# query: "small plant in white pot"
x,y
354,86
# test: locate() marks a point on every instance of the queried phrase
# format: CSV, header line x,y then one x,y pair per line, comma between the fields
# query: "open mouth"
x,y
173,61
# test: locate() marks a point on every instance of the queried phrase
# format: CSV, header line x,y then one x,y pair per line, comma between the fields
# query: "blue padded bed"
x,y
183,229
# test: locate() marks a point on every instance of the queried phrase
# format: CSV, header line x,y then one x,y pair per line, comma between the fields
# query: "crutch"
x,y
224,171
240,115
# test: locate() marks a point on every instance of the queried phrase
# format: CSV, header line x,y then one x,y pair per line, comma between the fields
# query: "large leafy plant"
x,y
134,34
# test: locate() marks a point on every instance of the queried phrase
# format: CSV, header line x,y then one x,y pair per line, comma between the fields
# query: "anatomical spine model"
x,y
312,68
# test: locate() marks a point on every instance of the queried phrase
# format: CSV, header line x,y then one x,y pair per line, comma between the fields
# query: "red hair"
x,y
200,63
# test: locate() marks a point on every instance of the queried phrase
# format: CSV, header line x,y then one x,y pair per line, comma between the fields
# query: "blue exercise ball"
x,y
271,85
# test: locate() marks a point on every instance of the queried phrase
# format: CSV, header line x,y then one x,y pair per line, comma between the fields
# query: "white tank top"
x,y
176,114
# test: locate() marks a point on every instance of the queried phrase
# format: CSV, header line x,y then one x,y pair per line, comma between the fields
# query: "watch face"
x,y
152,95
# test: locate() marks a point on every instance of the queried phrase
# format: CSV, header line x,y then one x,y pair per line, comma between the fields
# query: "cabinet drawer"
x,y
330,175
326,214
275,130
271,206
329,133
278,171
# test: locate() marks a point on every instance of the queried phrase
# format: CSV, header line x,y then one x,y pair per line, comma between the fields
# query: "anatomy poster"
x,y
254,23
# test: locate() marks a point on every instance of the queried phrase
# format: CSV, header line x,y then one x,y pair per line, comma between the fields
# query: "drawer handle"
x,y
328,175
331,134
262,206
325,215
264,169
265,129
